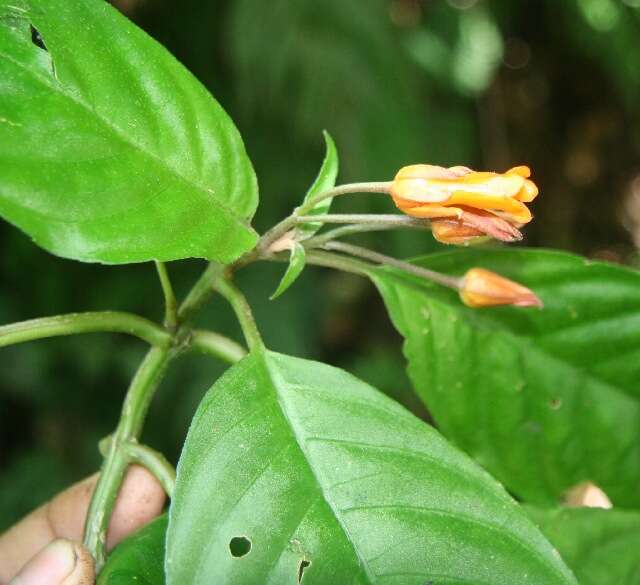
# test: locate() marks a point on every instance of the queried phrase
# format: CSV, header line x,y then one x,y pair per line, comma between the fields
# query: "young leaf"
x,y
295,268
294,471
543,398
325,180
111,151
139,558
601,546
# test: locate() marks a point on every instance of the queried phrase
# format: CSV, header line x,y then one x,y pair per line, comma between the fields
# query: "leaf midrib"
x,y
59,88
275,377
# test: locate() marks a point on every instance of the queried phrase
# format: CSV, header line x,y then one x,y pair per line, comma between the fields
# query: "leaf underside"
x,y
544,399
294,471
110,150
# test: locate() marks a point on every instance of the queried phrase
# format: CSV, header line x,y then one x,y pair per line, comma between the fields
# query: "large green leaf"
x,y
139,558
296,471
601,546
544,399
110,150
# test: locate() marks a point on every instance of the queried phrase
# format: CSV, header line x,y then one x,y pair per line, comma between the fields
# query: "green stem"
x,y
242,310
202,290
276,232
358,228
349,188
343,263
382,259
134,409
390,220
170,305
90,322
217,345
156,463
152,460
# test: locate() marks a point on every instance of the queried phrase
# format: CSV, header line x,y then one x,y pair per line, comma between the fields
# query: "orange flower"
x,y
483,288
465,204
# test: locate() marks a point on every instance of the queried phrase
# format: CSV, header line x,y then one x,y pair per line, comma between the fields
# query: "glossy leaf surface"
x,y
139,558
296,265
294,471
544,399
601,546
110,150
325,180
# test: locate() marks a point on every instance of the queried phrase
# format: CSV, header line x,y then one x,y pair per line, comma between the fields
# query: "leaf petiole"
x,y
242,310
170,304
90,322
217,345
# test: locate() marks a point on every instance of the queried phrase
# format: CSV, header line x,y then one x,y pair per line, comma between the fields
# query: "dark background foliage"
x,y
487,84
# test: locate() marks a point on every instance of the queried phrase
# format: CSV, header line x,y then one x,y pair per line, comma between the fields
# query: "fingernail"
x,y
50,566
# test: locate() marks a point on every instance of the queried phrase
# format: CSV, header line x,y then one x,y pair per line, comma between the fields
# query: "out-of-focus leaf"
x,y
294,471
110,150
601,546
544,399
459,48
325,180
294,269
606,31
139,559
340,67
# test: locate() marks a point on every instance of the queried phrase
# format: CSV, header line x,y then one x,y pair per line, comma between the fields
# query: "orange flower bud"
x,y
483,288
492,204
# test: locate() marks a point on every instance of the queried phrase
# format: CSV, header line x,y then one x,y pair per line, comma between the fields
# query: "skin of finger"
x,y
52,565
141,499
61,562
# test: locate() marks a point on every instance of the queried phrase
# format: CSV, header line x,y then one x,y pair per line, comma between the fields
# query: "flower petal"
x,y
528,193
513,210
521,170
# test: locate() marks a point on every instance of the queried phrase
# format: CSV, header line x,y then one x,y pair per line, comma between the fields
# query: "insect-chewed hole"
x,y
36,38
239,546
302,565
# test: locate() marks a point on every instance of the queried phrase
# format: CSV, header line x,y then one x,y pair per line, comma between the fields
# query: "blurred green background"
x,y
488,84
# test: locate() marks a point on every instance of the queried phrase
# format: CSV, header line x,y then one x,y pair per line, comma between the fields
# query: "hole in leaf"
x,y
555,403
239,546
302,565
36,38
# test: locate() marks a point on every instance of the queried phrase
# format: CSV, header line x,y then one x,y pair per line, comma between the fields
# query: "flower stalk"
x,y
384,260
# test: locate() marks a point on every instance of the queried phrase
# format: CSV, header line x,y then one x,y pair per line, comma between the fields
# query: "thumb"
x,y
60,563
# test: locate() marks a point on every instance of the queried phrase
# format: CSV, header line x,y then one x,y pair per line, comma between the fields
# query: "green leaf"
x,y
325,180
601,546
296,471
110,150
544,399
139,558
296,266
